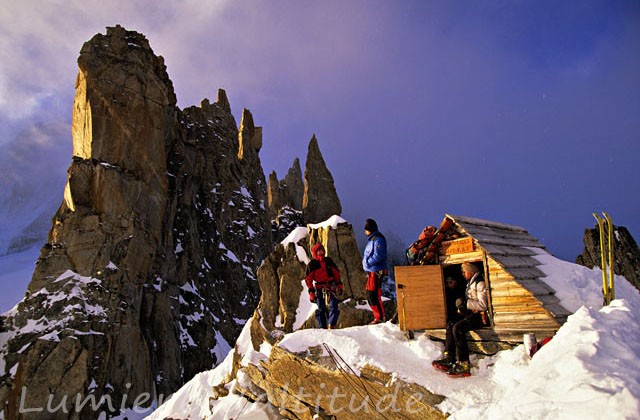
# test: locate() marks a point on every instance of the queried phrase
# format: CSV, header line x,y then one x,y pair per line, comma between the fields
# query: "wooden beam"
x,y
511,335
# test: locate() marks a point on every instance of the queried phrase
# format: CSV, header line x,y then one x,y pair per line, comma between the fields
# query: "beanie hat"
x,y
470,268
370,225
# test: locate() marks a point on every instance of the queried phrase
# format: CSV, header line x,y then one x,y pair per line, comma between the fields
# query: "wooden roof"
x,y
507,244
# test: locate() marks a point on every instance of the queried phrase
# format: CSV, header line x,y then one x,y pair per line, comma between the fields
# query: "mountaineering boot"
x,y
443,364
460,370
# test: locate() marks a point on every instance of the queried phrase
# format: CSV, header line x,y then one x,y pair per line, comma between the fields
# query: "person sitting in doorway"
x,y
456,360
452,292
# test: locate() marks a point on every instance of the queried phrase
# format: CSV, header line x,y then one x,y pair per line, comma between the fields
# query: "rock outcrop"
x,y
320,200
294,187
148,273
316,197
287,192
286,220
281,280
283,382
626,253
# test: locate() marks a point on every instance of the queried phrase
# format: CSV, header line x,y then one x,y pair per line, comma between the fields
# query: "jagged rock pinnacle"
x,y
320,200
151,258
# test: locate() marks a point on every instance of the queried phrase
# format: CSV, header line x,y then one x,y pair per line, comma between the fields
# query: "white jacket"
x,y
476,294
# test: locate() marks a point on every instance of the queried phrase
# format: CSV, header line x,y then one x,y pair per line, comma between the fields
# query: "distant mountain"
x,y
33,168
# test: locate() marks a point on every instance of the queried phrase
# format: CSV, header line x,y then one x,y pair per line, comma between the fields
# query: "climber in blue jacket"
x,y
374,263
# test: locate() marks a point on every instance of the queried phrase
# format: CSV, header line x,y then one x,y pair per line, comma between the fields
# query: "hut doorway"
x,y
426,294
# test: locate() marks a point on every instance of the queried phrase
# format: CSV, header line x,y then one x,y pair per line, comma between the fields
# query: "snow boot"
x,y
460,370
444,364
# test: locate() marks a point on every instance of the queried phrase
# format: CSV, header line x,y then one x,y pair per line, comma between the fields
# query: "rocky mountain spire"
x,y
294,184
250,137
287,192
274,195
320,200
293,203
148,274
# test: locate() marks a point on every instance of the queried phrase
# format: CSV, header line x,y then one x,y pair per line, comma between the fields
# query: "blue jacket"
x,y
375,253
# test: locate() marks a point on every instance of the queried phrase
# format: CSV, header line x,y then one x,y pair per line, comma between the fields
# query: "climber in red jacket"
x,y
323,281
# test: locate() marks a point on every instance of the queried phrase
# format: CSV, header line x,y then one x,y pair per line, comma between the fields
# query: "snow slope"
x,y
590,369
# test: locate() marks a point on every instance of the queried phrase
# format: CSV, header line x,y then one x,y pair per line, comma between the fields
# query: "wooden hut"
x,y
519,301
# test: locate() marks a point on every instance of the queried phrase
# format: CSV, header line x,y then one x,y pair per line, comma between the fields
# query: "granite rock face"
x,y
320,200
281,282
282,383
286,220
287,192
626,253
315,197
148,273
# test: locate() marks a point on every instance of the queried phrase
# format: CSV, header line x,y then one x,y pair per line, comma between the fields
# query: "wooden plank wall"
x,y
514,307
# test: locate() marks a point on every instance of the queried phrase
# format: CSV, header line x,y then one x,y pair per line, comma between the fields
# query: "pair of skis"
x,y
605,230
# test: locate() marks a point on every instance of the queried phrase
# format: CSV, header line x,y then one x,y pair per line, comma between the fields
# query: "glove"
x,y
339,289
312,295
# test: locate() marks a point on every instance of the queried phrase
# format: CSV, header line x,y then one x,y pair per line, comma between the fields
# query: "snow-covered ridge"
x,y
588,370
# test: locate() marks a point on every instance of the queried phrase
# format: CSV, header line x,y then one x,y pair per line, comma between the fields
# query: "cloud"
x,y
410,100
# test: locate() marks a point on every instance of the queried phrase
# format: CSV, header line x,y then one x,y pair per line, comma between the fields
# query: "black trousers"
x,y
457,347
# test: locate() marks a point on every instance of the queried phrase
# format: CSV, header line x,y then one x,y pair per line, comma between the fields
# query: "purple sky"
x,y
519,112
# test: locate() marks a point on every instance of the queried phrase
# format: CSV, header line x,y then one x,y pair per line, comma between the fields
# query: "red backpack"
x,y
417,249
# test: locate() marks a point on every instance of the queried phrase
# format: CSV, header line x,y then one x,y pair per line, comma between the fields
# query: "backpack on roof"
x,y
417,250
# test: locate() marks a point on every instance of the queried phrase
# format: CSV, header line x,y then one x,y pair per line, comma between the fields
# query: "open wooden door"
x,y
420,296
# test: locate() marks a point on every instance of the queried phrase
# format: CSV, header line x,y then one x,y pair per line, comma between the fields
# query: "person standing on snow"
x,y
456,360
323,282
374,263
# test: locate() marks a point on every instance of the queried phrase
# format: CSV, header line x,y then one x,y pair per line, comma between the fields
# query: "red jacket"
x,y
322,272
